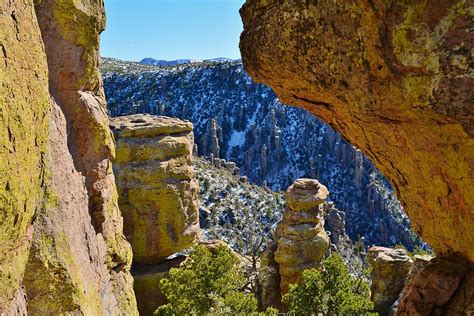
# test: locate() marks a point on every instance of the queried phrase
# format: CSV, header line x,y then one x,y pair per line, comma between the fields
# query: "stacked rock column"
x,y
300,236
158,196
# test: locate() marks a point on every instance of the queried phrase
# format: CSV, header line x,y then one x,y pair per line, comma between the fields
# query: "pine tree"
x,y
329,291
207,283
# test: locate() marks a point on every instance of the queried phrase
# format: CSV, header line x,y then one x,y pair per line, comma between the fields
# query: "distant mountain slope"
x,y
159,62
176,62
242,121
229,205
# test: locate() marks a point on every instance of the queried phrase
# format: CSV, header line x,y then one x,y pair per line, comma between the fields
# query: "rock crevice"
x,y
66,253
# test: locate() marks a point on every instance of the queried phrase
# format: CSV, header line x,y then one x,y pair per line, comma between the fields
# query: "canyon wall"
x,y
62,230
395,79
23,143
242,121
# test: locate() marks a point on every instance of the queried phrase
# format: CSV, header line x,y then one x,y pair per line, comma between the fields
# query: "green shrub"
x,y
207,283
418,250
330,291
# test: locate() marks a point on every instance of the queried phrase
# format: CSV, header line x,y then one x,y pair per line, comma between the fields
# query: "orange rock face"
x,y
395,80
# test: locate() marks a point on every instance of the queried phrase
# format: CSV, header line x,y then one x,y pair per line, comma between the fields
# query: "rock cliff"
x,y
23,144
62,247
158,191
300,237
395,79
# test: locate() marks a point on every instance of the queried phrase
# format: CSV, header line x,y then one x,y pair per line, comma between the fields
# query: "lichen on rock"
x,y
158,192
24,106
301,239
394,79
62,246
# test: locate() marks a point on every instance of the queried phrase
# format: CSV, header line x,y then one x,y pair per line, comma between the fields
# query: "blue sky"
x,y
172,29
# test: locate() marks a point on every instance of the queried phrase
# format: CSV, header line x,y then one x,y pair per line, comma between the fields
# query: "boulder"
x,y
445,286
390,268
158,192
301,239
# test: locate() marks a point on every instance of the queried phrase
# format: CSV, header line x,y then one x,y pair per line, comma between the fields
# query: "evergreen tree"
x,y
207,283
329,291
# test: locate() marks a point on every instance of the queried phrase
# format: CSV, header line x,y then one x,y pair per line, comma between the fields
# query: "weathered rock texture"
x,y
444,287
24,105
390,268
158,192
300,236
395,79
59,191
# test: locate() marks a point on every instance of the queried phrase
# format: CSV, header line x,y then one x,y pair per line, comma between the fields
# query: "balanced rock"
x,y
158,192
300,236
390,268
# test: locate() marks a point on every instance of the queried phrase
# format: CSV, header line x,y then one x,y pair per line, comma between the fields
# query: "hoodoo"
x,y
300,236
158,197
158,191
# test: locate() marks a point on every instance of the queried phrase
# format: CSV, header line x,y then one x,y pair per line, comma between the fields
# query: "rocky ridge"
x,y
239,120
233,209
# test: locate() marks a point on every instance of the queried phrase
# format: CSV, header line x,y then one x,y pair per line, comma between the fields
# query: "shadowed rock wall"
x,y
62,247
